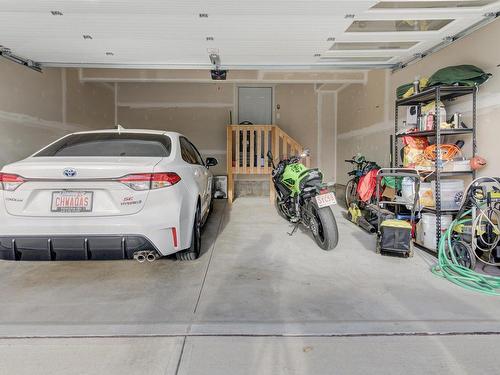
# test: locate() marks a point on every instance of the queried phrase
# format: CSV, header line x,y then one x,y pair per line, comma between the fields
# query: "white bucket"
x,y
428,225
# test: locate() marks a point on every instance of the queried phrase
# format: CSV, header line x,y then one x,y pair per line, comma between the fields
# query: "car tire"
x,y
193,252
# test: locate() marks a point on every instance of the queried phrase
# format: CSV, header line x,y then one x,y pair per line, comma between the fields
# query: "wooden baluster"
x,y
238,156
252,150
245,150
266,149
259,150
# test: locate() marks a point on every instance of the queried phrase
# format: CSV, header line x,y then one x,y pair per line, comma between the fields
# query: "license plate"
x,y
72,201
324,200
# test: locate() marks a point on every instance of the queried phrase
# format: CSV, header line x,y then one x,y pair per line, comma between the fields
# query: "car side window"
x,y
189,153
199,159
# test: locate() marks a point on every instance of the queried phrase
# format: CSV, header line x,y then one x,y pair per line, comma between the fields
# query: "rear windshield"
x,y
110,144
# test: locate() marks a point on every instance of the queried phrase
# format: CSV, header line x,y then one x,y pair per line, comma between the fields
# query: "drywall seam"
x,y
63,95
27,120
213,152
387,97
319,118
343,87
235,104
485,101
318,87
116,102
375,128
239,81
335,136
140,105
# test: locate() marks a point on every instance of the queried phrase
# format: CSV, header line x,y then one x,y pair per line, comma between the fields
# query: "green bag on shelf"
x,y
462,75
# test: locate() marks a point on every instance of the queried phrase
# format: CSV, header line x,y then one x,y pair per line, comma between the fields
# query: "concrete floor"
x,y
257,301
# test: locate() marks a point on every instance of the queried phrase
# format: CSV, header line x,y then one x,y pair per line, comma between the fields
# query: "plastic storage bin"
x,y
451,193
457,166
426,229
426,195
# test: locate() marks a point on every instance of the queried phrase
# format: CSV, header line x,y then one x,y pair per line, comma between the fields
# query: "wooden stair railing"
x,y
247,147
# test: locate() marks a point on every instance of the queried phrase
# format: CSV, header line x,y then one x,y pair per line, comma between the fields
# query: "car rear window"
x,y
110,144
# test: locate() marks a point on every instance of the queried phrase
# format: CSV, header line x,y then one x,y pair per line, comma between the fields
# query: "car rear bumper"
x,y
72,247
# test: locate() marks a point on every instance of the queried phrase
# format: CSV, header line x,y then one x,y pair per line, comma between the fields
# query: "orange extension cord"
x,y
448,152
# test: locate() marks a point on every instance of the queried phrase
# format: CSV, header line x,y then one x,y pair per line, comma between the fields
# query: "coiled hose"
x,y
448,266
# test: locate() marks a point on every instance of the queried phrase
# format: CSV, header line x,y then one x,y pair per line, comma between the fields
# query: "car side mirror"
x,y
211,162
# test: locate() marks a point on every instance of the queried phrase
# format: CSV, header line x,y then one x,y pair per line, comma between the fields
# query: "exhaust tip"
x,y
140,256
152,256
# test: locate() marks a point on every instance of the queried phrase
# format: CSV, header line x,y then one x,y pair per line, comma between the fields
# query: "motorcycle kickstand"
x,y
295,227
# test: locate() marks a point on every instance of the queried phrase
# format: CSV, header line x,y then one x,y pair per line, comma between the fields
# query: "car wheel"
x,y
194,250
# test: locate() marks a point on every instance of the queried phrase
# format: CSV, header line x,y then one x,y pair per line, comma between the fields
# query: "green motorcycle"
x,y
303,198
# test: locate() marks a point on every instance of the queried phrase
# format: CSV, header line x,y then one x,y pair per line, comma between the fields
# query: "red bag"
x,y
367,185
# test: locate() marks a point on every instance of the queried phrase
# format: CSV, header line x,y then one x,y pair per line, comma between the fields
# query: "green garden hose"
x,y
449,268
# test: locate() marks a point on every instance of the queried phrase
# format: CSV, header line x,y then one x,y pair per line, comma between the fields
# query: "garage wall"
x,y
201,111
36,109
363,123
366,112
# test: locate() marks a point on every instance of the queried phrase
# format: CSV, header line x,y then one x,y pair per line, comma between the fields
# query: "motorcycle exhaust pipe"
x,y
152,256
363,223
140,256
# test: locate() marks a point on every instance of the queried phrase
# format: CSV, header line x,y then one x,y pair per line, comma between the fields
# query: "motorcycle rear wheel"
x,y
326,234
351,192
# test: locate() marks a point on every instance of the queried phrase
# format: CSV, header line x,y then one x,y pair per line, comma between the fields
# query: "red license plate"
x,y
72,201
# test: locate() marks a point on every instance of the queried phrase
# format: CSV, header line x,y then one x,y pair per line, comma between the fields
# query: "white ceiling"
x,y
247,33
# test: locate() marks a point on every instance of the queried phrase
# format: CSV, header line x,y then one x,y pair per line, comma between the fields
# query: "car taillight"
x,y
10,182
150,181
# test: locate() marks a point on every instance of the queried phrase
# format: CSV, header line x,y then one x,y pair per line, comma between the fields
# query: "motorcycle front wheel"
x,y
280,210
324,227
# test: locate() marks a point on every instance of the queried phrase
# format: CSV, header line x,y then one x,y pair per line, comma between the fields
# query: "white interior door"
x,y
255,104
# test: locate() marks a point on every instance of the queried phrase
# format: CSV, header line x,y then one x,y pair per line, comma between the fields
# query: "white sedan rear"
x,y
110,194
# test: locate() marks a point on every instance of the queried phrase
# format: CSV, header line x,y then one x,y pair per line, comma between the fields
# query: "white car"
x,y
110,194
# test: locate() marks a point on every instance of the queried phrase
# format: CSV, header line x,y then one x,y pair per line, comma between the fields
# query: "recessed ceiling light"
x,y
330,39
109,53
85,36
203,15
350,15
210,38
56,12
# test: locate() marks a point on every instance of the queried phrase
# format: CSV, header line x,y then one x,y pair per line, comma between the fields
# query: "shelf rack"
x,y
437,94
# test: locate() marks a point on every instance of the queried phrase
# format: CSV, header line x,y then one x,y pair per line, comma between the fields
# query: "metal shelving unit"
x,y
437,94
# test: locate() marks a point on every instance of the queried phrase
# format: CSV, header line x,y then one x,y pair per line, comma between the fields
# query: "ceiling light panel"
x,y
377,26
431,4
350,46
